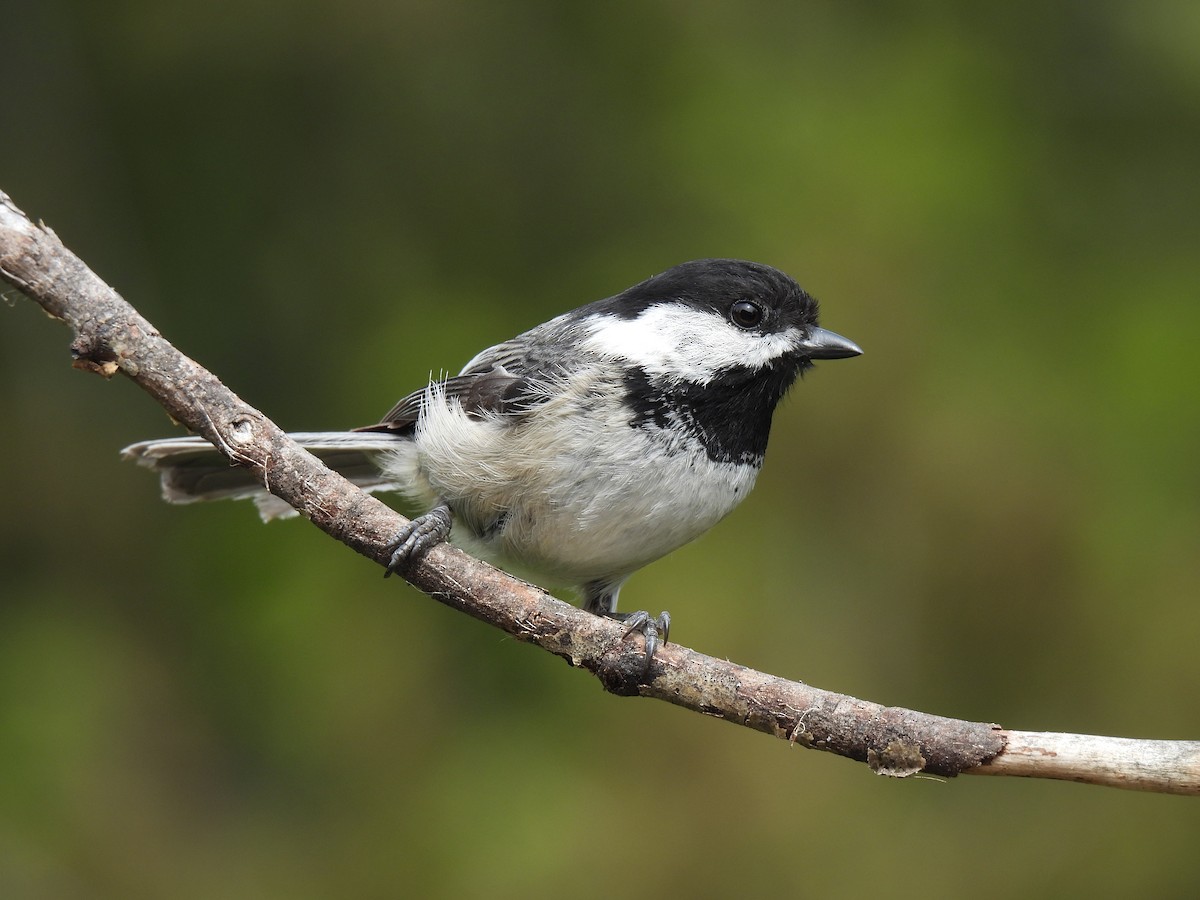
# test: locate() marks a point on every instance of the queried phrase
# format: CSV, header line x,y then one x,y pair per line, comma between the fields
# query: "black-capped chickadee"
x,y
584,448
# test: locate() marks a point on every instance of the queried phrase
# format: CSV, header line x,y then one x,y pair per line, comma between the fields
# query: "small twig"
x,y
112,337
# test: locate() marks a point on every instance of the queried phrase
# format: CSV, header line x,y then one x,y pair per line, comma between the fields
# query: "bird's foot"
x,y
418,537
653,630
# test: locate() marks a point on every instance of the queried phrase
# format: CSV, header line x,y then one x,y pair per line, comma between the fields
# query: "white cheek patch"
x,y
677,341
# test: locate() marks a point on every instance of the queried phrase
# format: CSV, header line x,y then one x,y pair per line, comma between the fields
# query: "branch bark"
x,y
111,337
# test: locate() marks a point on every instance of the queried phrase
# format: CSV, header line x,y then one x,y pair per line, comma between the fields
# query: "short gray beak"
x,y
823,344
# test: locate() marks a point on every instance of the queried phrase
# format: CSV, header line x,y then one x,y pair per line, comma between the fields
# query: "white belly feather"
x,y
613,498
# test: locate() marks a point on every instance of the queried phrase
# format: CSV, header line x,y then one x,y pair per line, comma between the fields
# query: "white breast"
x,y
565,492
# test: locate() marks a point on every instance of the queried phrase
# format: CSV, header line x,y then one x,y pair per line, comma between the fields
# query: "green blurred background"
x,y
993,514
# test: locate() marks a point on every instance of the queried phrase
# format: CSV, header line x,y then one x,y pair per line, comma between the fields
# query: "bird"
x,y
584,448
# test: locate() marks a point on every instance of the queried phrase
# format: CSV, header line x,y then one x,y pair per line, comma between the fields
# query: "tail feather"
x,y
191,469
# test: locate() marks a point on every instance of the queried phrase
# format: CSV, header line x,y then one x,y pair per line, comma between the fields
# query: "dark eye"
x,y
745,314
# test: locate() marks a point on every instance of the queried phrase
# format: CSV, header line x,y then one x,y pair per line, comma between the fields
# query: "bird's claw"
x,y
418,537
653,630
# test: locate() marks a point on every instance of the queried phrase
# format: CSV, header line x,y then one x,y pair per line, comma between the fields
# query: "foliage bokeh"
x,y
992,514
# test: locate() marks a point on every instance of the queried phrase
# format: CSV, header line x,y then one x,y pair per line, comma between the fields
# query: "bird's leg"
x,y
419,536
601,598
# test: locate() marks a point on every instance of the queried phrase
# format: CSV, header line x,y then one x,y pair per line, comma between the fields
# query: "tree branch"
x,y
111,337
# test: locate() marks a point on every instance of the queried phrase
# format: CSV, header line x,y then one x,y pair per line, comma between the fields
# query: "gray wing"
x,y
508,379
